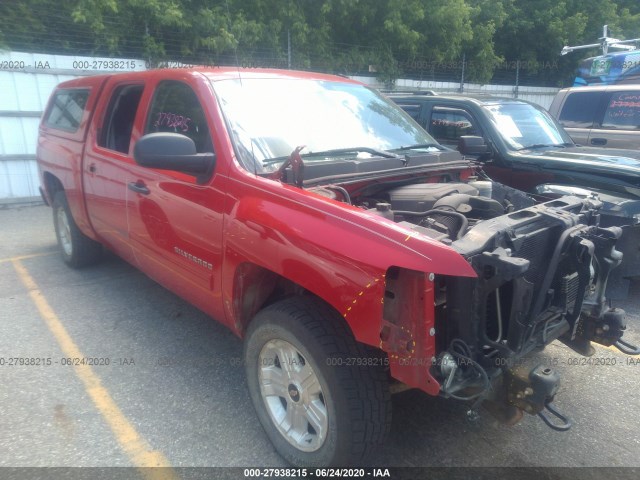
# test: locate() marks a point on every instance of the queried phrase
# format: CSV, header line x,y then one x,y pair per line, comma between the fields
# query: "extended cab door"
x,y
107,162
175,224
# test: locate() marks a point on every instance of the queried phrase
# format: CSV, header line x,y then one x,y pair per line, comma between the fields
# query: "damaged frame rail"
x,y
521,301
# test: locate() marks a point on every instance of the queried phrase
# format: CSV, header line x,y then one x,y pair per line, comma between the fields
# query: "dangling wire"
x,y
461,351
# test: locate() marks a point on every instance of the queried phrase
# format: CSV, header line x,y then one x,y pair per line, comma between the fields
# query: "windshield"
x,y
270,117
525,126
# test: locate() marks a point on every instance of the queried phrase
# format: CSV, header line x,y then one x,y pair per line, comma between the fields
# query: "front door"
x,y
175,224
447,123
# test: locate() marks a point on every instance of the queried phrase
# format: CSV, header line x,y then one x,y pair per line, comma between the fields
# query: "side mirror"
x,y
173,151
473,146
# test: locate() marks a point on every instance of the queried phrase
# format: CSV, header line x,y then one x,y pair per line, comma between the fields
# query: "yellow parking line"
x,y
24,257
137,449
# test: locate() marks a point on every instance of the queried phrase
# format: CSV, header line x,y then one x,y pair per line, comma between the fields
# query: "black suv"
x,y
519,144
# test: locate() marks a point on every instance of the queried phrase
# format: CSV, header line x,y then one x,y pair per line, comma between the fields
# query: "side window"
x,y
175,108
412,109
623,111
447,125
118,124
67,108
579,109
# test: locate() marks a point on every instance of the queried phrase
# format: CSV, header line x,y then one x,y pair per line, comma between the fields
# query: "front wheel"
x,y
322,398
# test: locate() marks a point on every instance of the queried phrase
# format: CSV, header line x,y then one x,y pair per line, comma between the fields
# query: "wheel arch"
x,y
52,185
256,287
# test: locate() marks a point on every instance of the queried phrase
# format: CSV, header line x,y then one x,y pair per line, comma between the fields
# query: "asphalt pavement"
x,y
165,385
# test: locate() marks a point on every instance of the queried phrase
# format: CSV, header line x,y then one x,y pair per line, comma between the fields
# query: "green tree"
x,y
343,36
487,16
34,25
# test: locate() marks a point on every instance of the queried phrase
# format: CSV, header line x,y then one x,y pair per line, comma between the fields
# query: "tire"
x,y
76,248
317,403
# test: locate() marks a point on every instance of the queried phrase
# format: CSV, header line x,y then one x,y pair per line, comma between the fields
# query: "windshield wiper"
x,y
336,152
342,151
545,145
421,145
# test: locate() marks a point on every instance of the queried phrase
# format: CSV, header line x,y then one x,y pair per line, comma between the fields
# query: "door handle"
x,y
598,141
92,168
138,187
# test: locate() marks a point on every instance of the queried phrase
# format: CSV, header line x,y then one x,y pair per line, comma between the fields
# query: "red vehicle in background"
x,y
350,250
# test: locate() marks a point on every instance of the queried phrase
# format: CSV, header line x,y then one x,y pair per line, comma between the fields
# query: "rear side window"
x,y
118,125
175,108
623,111
412,109
580,109
67,109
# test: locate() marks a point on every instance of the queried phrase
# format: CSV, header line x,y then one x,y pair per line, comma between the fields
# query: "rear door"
x,y
108,162
620,124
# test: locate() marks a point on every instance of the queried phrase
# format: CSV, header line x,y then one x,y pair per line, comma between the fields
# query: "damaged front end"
x,y
542,273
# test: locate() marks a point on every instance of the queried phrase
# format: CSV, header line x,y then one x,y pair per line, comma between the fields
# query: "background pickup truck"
x,y
521,145
600,115
353,253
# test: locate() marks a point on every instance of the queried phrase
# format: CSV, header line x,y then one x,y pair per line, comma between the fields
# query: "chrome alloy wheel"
x,y
293,396
64,231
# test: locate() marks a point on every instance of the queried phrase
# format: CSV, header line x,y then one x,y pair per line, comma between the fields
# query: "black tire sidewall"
x,y
60,203
268,325
84,250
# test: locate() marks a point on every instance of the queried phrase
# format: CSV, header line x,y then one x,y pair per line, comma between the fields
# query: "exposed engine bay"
x,y
542,272
446,211
441,211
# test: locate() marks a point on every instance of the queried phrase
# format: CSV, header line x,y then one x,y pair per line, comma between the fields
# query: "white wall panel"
x,y
18,179
18,135
24,93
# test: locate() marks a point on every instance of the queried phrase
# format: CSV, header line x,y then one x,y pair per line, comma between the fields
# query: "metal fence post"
x,y
464,57
289,49
515,89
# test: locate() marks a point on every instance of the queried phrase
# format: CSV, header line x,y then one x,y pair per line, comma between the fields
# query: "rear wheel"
x,y
76,248
322,398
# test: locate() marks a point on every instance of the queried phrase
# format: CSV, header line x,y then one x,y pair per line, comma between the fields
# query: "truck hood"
x,y
615,170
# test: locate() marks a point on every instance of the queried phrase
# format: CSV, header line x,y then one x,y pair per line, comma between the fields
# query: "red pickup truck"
x,y
353,253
